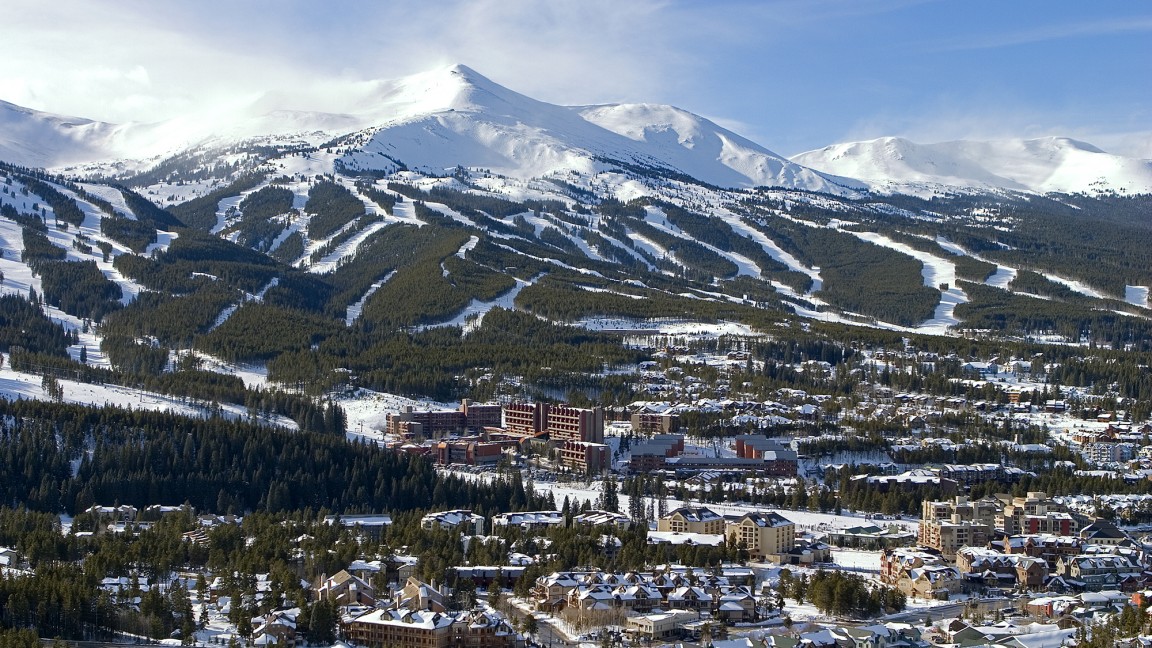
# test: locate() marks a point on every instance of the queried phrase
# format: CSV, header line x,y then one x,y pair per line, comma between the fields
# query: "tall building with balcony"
x,y
949,525
566,423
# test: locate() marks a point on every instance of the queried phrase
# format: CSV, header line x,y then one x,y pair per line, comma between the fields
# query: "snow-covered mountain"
x,y
456,116
1048,164
435,121
39,139
450,117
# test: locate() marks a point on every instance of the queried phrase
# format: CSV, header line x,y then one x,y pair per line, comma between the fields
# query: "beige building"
x,y
764,534
692,519
1035,513
346,589
951,524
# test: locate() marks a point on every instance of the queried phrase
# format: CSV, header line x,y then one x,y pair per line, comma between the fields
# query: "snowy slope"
x,y
454,116
434,121
1049,164
706,151
38,139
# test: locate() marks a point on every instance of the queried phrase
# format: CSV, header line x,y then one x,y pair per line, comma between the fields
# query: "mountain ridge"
x,y
454,116
1039,165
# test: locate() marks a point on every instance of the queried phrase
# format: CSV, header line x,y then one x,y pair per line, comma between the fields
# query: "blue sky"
x,y
791,74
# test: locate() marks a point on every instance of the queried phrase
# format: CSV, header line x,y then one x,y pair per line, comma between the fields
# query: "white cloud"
x,y
147,61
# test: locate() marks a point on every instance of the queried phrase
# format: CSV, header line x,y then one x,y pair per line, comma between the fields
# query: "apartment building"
x,y
951,524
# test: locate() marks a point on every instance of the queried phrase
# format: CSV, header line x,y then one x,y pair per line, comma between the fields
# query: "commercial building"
x,y
402,628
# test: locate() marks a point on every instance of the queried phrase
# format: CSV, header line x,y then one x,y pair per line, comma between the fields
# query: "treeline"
x,y
385,200
142,457
256,228
195,257
464,202
441,364
64,207
38,250
146,369
172,320
79,288
842,594
200,213
257,332
136,235
719,234
332,206
24,325
1077,321
858,276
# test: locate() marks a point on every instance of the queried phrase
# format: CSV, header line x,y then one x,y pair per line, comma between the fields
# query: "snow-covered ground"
x,y
15,384
367,411
1075,286
1137,296
677,328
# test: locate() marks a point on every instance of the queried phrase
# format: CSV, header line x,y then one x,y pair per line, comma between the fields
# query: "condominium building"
x,y
949,525
766,535
692,519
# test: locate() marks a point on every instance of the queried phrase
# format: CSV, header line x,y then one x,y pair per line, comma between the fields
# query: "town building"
x,y
648,424
565,423
951,524
918,573
472,452
652,454
692,519
664,625
529,519
370,525
467,522
585,456
779,461
525,419
344,589
765,535
1035,513
1000,569
871,537
403,628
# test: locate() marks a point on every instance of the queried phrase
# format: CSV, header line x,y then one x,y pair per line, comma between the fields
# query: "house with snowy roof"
x,y
345,589
428,629
276,628
529,519
1096,572
467,522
